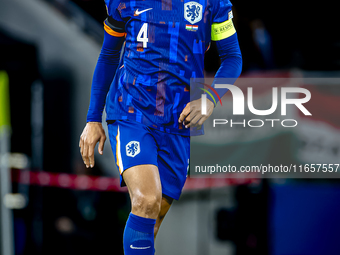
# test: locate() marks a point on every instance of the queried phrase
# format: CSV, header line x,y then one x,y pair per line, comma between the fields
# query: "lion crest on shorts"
x,y
132,149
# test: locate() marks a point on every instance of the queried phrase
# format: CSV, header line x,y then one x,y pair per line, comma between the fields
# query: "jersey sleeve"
x,y
103,75
114,37
114,24
224,33
231,64
222,25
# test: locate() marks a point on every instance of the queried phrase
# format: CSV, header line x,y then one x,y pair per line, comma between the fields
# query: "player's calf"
x,y
139,229
165,206
146,194
139,235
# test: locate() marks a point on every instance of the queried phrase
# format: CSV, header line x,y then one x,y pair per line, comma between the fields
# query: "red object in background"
x,y
88,182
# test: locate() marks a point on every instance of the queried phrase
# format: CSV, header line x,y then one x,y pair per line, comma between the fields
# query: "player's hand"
x,y
192,114
92,133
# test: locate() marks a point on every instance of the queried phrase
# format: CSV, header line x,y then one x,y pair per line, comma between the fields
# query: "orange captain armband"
x,y
110,31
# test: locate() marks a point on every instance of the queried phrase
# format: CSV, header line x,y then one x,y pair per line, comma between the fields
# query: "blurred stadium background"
x,y
51,204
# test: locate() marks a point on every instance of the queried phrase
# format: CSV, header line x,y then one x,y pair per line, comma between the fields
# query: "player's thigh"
x,y
136,158
143,182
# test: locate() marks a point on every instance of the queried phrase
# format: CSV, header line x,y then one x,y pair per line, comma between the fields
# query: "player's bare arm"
x,y
92,134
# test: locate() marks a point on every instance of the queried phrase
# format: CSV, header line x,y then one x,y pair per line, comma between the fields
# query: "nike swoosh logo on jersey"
x,y
139,248
139,12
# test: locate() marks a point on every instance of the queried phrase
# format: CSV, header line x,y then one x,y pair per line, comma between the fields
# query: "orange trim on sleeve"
x,y
112,32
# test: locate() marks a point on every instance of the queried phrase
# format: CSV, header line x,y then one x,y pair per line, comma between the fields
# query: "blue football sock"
x,y
139,236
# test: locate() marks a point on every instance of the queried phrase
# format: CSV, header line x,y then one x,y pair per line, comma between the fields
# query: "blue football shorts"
x,y
136,144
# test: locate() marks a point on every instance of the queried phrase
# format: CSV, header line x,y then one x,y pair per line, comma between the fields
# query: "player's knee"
x,y
147,205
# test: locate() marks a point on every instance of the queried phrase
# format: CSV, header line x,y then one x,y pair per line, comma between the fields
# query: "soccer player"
x,y
147,97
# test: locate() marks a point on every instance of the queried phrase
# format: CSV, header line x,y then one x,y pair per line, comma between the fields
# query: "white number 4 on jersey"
x,y
143,35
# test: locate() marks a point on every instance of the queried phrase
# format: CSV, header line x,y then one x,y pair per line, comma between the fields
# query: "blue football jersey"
x,y
164,47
